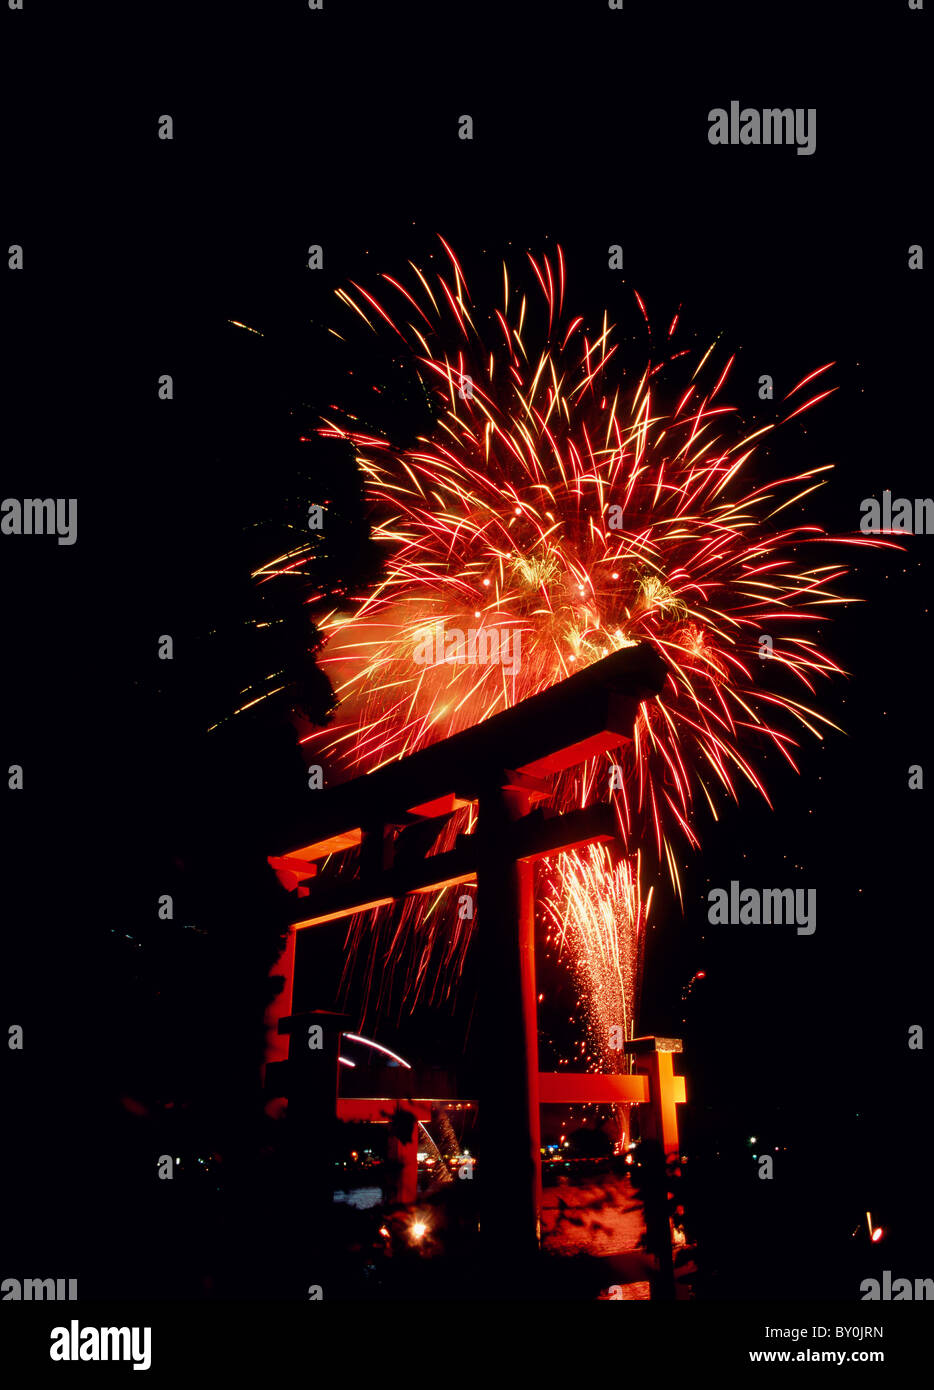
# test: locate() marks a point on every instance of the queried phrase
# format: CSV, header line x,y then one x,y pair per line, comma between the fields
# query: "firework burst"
x,y
585,508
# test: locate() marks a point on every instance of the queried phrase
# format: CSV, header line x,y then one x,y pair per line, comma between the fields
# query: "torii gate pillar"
x,y
507,1077
654,1059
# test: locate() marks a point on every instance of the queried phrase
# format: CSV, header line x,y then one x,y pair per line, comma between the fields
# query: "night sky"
x,y
339,129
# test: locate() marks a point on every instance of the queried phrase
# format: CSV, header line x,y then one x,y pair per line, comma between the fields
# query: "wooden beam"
x,y
591,1088
532,837
536,836
599,704
436,872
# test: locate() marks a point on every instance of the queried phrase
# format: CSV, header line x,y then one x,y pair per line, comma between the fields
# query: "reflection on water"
x,y
362,1198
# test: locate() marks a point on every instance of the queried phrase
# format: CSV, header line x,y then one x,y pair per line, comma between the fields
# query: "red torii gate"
x,y
505,766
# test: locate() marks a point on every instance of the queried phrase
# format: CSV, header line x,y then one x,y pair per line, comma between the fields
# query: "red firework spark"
x,y
586,510
551,501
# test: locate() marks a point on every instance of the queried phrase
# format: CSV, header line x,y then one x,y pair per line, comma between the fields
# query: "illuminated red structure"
x,y
505,766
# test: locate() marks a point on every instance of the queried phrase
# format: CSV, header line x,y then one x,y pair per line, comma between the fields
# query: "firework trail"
x,y
586,509
593,911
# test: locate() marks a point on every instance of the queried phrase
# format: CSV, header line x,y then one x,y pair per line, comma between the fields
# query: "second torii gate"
x,y
504,766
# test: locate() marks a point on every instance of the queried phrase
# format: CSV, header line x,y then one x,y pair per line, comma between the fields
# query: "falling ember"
x,y
563,500
598,920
